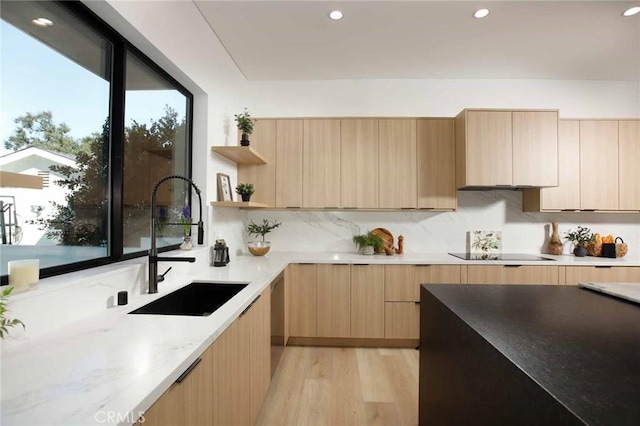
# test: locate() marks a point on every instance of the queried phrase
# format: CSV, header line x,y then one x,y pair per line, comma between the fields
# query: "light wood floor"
x,y
343,386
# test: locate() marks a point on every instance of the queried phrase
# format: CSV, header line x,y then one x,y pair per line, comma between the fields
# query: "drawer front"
x,y
401,320
435,274
503,274
620,274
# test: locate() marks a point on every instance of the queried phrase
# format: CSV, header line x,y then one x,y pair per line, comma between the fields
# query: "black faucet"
x,y
154,278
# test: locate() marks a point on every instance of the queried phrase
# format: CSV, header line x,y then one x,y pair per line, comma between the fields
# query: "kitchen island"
x,y
528,355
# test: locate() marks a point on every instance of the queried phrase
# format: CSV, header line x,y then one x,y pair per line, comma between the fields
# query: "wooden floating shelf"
x,y
239,154
245,204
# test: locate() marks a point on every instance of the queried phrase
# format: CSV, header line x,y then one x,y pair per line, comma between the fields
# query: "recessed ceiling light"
x,y
631,11
481,13
335,15
42,22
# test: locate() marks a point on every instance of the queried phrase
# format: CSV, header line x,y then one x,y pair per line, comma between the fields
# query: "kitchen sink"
x,y
200,298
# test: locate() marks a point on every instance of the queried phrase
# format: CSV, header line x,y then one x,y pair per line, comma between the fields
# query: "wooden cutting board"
x,y
386,236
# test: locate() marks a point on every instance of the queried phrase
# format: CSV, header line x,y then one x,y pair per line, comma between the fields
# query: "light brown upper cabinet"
x,y
629,164
436,164
535,148
262,176
289,147
397,167
506,148
566,196
599,164
359,163
321,164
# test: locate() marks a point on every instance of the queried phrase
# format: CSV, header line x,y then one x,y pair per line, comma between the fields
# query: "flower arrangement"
x,y
581,236
185,218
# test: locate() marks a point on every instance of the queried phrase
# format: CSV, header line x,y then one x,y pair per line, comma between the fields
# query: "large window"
x,y
98,124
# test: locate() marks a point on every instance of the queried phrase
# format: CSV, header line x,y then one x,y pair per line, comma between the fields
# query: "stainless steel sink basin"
x,y
200,298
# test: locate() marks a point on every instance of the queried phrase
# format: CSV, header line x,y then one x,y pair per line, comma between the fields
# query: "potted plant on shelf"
x,y
245,125
368,243
245,190
580,237
260,248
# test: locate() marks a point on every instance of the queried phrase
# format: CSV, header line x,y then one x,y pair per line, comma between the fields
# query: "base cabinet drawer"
x,y
512,274
619,274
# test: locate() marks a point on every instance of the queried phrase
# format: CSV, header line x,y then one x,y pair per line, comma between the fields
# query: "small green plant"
x,y
6,323
368,240
581,236
244,122
245,189
262,230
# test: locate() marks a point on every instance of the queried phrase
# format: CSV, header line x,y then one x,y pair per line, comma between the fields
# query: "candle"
x,y
22,273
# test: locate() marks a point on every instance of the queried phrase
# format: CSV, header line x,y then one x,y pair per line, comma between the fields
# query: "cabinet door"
x,y
435,274
262,176
535,148
399,283
302,300
190,402
367,301
232,375
397,151
401,320
629,167
512,274
289,134
489,148
334,300
259,318
359,163
321,164
599,165
567,195
436,164
611,274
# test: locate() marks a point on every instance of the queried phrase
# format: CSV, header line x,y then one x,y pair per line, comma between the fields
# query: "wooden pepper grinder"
x,y
400,249
555,244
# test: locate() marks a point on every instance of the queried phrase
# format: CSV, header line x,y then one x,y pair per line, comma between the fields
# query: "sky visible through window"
x,y
35,78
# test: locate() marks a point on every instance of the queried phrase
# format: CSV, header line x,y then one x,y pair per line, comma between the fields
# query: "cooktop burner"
x,y
500,256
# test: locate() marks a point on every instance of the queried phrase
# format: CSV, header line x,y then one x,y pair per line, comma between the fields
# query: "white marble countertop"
x,y
112,365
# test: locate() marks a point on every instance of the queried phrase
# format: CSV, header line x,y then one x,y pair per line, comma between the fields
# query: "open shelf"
x,y
245,204
239,154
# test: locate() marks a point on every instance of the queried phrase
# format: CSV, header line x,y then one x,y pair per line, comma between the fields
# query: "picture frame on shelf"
x,y
224,188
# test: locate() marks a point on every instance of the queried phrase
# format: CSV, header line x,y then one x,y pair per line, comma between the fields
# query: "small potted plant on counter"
x,y
245,125
245,190
580,238
260,248
368,243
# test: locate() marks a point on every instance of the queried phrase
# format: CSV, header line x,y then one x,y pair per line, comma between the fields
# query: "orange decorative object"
x,y
400,249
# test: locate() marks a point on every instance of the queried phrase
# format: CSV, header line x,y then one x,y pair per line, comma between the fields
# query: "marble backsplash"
x,y
423,231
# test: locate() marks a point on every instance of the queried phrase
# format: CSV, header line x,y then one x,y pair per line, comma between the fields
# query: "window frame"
x,y
115,245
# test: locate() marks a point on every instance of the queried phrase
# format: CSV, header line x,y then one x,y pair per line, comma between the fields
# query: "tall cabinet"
x,y
289,147
397,167
321,164
436,164
629,164
599,164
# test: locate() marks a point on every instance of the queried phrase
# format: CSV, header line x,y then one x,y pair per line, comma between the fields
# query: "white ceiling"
x,y
295,40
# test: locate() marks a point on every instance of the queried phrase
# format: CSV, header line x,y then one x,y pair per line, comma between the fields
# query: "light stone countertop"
x,y
114,364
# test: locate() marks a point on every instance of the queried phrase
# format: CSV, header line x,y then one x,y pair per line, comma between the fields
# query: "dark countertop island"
x,y
527,355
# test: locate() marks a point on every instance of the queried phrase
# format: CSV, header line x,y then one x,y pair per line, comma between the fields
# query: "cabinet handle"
x,y
417,302
588,210
305,263
568,210
250,305
407,208
360,264
292,207
350,208
512,266
422,265
603,267
332,207
188,370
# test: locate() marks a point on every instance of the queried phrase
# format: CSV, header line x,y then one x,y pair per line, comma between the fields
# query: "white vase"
x,y
186,243
366,250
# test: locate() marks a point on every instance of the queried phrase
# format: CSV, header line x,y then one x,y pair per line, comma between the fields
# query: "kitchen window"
x,y
99,123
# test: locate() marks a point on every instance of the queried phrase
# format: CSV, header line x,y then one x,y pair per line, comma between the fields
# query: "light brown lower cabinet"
x,y
334,300
302,300
512,274
620,274
401,320
228,384
367,301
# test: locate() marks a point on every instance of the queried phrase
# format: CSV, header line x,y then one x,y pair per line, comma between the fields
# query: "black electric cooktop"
x,y
500,256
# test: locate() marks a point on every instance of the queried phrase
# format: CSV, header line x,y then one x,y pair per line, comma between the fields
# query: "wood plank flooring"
x,y
326,386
